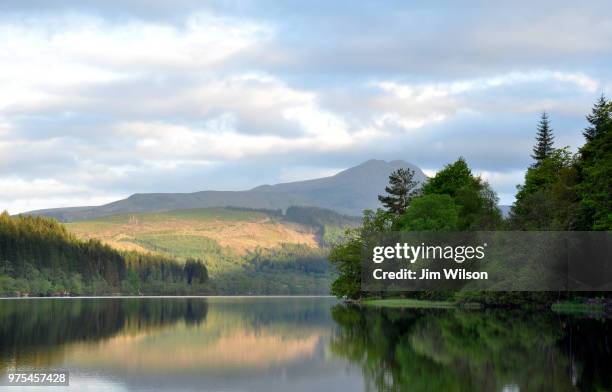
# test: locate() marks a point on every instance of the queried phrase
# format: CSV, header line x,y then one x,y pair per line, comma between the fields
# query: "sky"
x,y
103,99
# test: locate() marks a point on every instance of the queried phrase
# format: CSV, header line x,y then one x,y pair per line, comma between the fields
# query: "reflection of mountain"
x,y
470,351
349,192
239,334
265,344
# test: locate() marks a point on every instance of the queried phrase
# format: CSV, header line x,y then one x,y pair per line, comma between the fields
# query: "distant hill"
x,y
348,192
246,251
236,230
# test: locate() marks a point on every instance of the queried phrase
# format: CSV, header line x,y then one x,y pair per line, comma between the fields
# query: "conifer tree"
x,y
599,120
544,140
401,189
595,170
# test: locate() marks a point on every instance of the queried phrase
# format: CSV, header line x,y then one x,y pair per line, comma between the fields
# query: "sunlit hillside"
x,y
245,251
195,232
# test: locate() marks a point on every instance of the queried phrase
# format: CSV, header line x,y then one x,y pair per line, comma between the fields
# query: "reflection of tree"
x,y
25,324
590,342
466,351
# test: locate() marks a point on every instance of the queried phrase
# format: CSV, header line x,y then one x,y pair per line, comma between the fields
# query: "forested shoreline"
x,y
562,191
39,257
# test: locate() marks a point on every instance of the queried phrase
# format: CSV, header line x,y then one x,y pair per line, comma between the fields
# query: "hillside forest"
x,y
204,251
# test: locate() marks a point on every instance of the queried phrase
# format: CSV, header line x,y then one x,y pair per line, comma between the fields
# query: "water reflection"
x,y
36,332
430,350
301,344
169,344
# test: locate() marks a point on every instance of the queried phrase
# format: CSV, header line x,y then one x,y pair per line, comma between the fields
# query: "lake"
x,y
299,344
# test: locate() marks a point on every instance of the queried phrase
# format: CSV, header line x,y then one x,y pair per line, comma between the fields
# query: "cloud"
x,y
99,101
25,195
42,61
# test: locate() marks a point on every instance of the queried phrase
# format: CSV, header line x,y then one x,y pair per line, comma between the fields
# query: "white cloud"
x,y
220,139
415,105
19,195
43,59
430,91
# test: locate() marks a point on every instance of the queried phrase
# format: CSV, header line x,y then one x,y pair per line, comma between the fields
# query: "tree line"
x,y
562,191
38,256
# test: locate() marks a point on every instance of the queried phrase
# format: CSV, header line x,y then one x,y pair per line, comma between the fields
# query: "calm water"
x,y
300,344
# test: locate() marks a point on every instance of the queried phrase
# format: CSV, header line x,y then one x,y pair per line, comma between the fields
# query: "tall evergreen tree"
x,y
544,140
599,120
401,189
595,170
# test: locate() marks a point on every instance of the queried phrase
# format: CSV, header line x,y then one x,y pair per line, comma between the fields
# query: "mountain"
x,y
348,192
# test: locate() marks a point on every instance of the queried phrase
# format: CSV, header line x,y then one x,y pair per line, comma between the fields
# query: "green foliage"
x,y
41,258
594,168
476,201
547,199
451,180
430,212
401,190
600,119
346,256
195,272
290,257
567,192
183,246
132,284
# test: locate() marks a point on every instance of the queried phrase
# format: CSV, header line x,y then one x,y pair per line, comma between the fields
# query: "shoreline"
x,y
588,306
170,296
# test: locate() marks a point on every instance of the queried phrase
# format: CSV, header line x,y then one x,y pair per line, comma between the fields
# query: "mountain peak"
x,y
348,192
375,166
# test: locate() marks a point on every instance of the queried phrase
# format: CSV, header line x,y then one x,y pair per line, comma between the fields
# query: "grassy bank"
x,y
417,304
577,307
